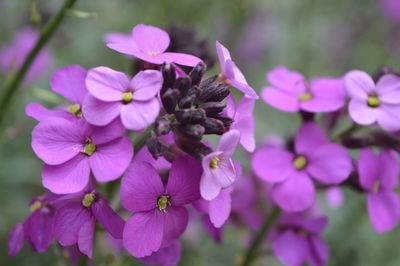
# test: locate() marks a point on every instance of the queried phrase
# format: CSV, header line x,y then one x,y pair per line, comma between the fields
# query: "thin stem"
x,y
260,236
12,86
140,140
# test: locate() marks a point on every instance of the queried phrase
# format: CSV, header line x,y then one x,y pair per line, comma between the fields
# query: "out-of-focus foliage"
x,y
315,37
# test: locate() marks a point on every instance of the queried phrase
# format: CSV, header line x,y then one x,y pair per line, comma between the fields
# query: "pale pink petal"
x,y
245,123
237,80
100,113
209,185
308,138
228,142
40,113
125,48
179,58
389,169
384,210
117,37
359,84
389,117
223,54
388,89
69,81
279,99
286,80
139,115
220,207
146,84
362,114
150,39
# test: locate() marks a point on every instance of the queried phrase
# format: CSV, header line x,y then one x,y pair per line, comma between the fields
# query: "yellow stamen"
x,y
305,97
152,53
300,162
127,97
88,200
163,202
35,206
214,162
89,149
376,186
373,101
75,109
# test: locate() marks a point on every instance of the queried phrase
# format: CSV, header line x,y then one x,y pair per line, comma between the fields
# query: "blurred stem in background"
x,y
46,33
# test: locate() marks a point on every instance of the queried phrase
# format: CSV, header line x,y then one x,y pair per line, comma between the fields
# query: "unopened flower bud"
x,y
183,84
216,92
155,147
168,73
190,116
192,131
197,73
187,101
170,100
162,126
212,108
226,120
214,126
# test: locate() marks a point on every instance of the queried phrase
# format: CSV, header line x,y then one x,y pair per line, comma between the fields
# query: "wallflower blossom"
x,y
372,102
391,9
314,157
112,94
72,149
74,222
296,240
231,74
168,256
243,120
36,229
160,217
13,55
149,43
69,82
290,92
379,178
218,169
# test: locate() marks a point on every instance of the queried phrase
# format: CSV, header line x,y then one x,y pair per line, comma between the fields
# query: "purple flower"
x,y
74,222
291,174
13,55
391,8
149,44
379,178
112,94
297,240
243,120
72,149
372,103
290,92
36,229
69,82
334,196
159,216
168,256
218,169
231,74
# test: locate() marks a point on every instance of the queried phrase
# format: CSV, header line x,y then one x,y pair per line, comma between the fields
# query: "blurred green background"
x,y
315,37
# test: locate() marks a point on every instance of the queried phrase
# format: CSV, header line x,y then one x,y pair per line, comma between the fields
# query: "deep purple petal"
x,y
319,251
291,248
69,177
105,134
140,187
108,218
38,229
184,181
214,232
40,113
390,168
315,225
146,84
168,256
98,112
16,239
138,115
308,138
69,81
143,233
273,164
359,84
150,39
384,210
368,168
176,221
297,193
110,160
85,237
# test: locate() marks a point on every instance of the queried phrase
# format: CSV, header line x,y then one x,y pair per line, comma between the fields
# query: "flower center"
x,y
152,53
373,101
88,200
127,97
214,162
89,148
75,109
300,162
376,186
163,202
305,97
35,206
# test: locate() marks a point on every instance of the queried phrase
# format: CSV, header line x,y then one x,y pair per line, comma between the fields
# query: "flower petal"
x,y
143,233
273,164
228,142
40,113
69,81
110,160
279,99
69,177
362,114
308,138
108,218
107,84
184,180
297,193
16,239
209,184
179,58
359,84
384,210
168,256
38,228
286,80
150,39
223,54
244,122
140,187
388,89
368,168
85,237
98,112
319,251
146,84
139,115
105,134
290,248
389,169
389,117
176,221
237,80
220,207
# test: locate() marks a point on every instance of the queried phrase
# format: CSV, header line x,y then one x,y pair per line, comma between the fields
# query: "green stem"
x,y
260,236
140,140
12,86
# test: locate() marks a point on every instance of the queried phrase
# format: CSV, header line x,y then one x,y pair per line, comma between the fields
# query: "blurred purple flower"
x,y
13,55
231,74
160,217
72,149
74,222
69,82
218,169
112,94
391,8
334,196
379,178
149,44
291,174
168,256
290,92
372,102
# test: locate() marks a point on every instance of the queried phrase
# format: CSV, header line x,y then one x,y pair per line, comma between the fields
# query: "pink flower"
x,y
372,102
290,92
160,217
231,74
379,178
69,82
112,94
218,169
149,44
291,174
72,149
